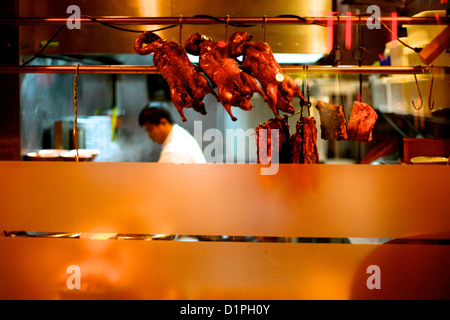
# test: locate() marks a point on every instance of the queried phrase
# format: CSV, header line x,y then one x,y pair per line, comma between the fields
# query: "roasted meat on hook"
x,y
332,121
264,141
235,87
361,122
187,86
304,142
258,60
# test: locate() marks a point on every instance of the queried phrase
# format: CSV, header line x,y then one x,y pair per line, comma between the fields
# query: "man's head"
x,y
157,122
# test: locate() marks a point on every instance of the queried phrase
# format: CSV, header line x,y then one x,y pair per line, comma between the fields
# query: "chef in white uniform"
x,y
178,145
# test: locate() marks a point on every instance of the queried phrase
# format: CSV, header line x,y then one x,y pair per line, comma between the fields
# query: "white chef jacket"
x,y
181,147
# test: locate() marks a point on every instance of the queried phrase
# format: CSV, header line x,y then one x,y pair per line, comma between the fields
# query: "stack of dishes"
x,y
62,155
83,155
45,155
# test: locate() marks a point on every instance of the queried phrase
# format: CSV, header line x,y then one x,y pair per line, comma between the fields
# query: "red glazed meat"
x,y
361,122
332,121
187,86
304,142
264,141
258,60
235,88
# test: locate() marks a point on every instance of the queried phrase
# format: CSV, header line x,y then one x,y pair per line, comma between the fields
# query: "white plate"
x,y
429,160
82,155
50,152
85,151
45,154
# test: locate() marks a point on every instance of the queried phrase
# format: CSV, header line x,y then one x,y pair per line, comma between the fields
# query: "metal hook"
x,y
431,105
307,91
362,55
303,82
420,95
359,32
335,58
181,26
303,94
226,27
265,27
360,88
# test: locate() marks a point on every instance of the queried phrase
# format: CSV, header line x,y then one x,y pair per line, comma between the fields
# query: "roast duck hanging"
x,y
258,60
187,86
235,87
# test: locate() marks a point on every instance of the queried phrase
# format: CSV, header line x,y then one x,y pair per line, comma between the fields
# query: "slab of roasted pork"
x,y
361,122
264,140
333,124
304,142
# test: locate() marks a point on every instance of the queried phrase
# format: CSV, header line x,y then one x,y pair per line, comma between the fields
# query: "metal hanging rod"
x,y
129,69
125,20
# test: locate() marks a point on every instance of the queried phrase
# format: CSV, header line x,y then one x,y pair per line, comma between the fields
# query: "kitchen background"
x,y
108,105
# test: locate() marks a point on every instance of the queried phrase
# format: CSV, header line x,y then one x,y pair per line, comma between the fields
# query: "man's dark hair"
x,y
153,115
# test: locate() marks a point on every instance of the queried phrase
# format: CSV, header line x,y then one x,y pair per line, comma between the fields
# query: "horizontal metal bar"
x,y
350,69
131,69
126,20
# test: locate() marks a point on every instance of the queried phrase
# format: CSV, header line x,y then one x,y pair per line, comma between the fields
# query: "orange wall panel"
x,y
299,200
33,268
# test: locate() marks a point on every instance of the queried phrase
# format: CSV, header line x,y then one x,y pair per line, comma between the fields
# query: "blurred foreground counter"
x,y
75,231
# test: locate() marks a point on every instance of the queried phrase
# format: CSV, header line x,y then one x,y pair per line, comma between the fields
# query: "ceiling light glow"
x,y
284,58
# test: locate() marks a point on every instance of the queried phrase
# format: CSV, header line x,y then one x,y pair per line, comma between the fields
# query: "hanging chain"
x,y
226,28
181,27
431,104
420,95
265,27
361,56
307,92
75,103
336,55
